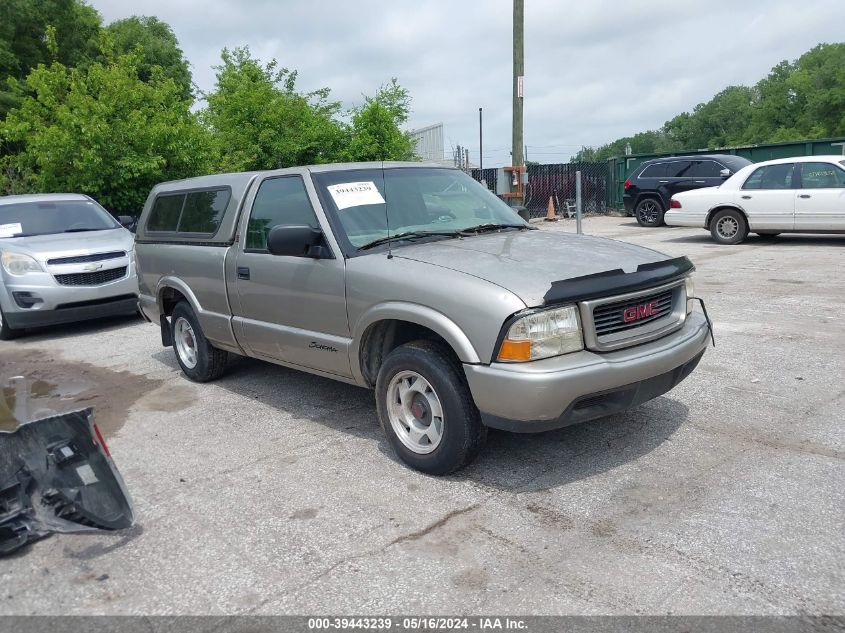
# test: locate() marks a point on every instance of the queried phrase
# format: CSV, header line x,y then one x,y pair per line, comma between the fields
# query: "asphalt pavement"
x,y
271,491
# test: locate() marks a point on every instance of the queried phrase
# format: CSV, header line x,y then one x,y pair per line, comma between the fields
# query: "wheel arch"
x,y
652,195
390,325
172,290
722,207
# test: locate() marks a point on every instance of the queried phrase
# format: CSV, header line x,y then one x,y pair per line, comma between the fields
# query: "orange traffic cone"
x,y
550,213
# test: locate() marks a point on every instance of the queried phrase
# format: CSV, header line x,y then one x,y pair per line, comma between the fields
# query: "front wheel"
x,y
6,333
728,227
426,410
198,358
649,212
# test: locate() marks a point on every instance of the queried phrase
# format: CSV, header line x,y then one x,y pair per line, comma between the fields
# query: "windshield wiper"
x,y
81,230
408,235
492,227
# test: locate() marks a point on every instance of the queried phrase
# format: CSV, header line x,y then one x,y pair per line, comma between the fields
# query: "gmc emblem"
x,y
635,313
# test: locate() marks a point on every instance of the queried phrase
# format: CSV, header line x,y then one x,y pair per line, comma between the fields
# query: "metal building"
x,y
429,143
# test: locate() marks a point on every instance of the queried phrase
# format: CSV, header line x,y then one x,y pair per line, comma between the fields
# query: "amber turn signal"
x,y
515,350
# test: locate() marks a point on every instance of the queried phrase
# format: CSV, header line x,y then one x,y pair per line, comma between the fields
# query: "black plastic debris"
x,y
56,475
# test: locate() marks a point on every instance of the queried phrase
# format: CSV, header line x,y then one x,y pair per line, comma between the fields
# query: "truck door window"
x,y
278,201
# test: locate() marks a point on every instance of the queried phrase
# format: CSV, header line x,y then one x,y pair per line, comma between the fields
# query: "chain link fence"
x,y
557,181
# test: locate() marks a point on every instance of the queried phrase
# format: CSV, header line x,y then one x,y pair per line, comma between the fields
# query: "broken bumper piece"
x,y
56,475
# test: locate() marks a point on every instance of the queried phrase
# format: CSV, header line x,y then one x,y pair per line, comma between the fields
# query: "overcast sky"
x,y
595,70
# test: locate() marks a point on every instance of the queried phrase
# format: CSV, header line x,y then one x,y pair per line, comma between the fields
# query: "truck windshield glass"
x,y
47,217
413,200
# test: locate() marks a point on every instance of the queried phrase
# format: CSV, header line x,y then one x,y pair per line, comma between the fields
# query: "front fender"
x,y
413,313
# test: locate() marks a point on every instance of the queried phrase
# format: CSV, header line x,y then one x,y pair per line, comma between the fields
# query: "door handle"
x,y
243,272
662,182
700,182
805,195
746,197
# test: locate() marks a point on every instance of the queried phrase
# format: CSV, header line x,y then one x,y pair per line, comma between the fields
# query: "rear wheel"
x,y
6,333
649,212
426,410
728,226
198,358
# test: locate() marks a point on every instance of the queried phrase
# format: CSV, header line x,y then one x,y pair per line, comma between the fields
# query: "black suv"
x,y
651,185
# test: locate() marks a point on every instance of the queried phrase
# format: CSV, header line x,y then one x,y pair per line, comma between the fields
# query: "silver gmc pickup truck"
x,y
415,281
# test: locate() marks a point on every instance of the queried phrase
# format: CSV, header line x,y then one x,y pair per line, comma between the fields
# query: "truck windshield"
x,y
412,201
46,217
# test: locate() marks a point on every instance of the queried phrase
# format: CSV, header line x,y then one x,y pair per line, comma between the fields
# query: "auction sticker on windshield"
x,y
10,230
355,194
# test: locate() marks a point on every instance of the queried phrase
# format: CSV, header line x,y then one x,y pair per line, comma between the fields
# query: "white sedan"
x,y
804,194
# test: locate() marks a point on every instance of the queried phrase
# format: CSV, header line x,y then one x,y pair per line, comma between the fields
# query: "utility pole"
x,y
480,147
518,88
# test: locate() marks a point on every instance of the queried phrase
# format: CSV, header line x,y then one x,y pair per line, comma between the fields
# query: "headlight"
x,y
19,264
542,335
690,288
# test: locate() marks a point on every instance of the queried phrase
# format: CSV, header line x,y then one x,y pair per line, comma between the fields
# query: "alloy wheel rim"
x,y
415,412
648,212
186,342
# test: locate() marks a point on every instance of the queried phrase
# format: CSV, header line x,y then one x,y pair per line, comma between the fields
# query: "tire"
x,y
7,333
199,359
728,226
649,212
431,376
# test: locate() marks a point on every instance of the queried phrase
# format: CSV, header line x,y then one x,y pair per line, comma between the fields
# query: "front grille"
x,y
610,318
82,259
91,279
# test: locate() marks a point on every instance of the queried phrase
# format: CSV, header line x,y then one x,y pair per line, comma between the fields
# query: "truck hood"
x,y
44,247
527,262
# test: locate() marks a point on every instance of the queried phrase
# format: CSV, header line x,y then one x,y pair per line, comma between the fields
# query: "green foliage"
x,y
155,44
23,45
100,130
798,100
260,121
375,133
116,119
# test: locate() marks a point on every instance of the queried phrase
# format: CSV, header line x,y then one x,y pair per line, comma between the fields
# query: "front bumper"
x,y
57,304
557,392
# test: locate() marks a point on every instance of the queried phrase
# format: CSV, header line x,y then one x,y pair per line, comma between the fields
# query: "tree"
x,y
375,133
156,45
798,100
23,24
100,130
260,121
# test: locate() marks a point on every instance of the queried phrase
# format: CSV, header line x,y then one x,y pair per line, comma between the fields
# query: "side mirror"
x,y
126,221
296,241
726,173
